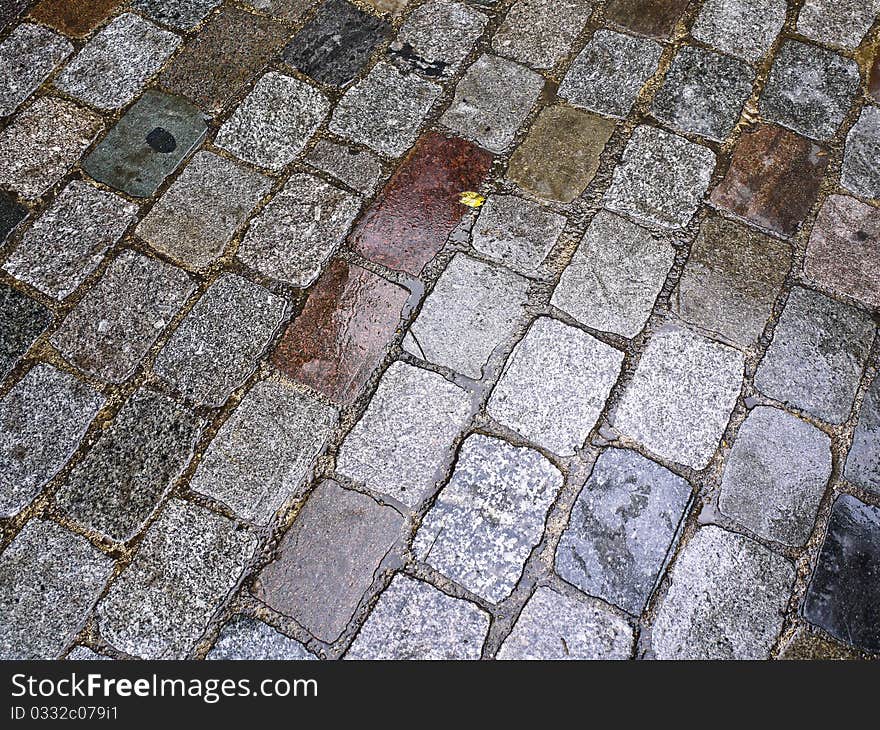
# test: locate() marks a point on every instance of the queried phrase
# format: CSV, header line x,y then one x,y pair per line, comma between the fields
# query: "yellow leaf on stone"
x,y
471,199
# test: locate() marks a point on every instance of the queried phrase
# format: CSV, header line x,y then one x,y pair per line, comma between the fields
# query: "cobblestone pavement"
x,y
444,329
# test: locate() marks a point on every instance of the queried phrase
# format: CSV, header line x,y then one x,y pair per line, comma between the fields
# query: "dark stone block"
x,y
22,320
11,214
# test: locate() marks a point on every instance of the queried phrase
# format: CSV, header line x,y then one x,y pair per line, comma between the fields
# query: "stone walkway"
x,y
444,329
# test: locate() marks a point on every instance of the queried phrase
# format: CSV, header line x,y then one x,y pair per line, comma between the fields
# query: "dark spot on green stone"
x,y
162,140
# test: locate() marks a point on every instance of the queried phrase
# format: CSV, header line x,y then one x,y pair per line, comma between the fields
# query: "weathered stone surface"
x,y
136,459
245,638
42,420
622,529
28,56
22,320
608,74
185,566
117,62
532,35
345,327
419,207
776,475
473,308
404,439
184,14
726,599
390,7
385,109
838,22
43,142
773,179
844,593
553,626
742,28
274,122
492,101
84,654
359,169
560,155
661,179
861,159
288,10
653,18
294,236
201,211
817,355
809,89
488,518
863,462
414,620
73,17
336,43
615,276
12,213
681,396
110,330
49,580
731,280
217,345
329,558
264,452
806,646
555,385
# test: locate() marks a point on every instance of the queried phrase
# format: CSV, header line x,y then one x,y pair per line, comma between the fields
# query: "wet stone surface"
x,y
622,528
652,18
245,638
22,320
837,22
861,172
72,17
863,463
329,559
27,57
843,597
818,351
183,14
742,28
359,169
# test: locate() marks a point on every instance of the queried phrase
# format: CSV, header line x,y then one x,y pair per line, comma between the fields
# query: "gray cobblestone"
x,y
27,57
244,638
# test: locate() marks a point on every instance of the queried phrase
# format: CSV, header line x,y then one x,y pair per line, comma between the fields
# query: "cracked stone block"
x,y
419,207
622,529
486,521
68,241
726,600
43,142
704,93
274,122
199,214
183,14
492,101
473,308
809,89
344,329
187,563
553,626
329,559
217,345
661,178
436,37
844,249
863,462
75,18
532,35
49,580
217,64
615,276
731,280
560,155
742,28
42,421
294,236
843,597
246,638
263,454
414,620
84,654
405,438
652,18
133,464
28,57
117,62
861,158
288,10
839,23
384,110
22,320
555,385
773,179
147,144
609,72
359,169
516,232
110,330
12,213
681,396
817,355
336,44
776,475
